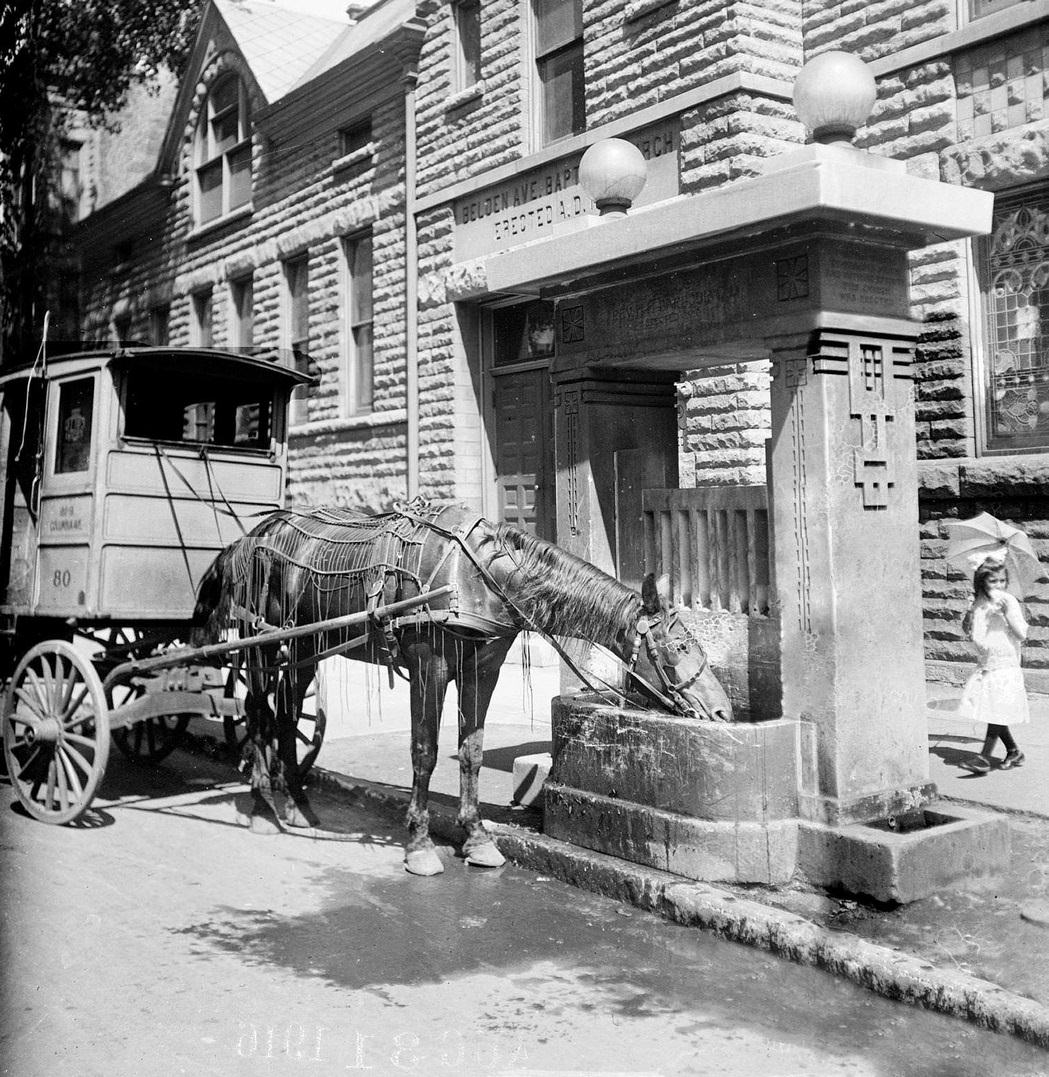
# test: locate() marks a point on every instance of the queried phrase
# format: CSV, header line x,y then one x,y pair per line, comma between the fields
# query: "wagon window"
x,y
197,410
73,444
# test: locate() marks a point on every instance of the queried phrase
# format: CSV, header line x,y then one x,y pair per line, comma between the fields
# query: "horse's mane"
x,y
564,595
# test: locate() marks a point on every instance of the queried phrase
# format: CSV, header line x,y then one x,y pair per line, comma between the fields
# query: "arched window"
x,y
223,151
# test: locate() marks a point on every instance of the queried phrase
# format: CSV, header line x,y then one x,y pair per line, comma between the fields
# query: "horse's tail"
x,y
214,599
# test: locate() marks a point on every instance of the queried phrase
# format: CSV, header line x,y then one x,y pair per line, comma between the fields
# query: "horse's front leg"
x,y
291,691
476,676
428,673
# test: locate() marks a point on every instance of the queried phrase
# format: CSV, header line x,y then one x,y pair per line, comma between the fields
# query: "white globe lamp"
x,y
834,95
612,172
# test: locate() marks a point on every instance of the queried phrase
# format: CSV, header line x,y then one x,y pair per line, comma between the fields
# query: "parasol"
x,y
971,542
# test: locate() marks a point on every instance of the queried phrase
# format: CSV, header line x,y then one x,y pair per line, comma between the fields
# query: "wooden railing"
x,y
713,543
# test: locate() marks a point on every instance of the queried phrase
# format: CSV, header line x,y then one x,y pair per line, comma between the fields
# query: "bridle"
x,y
672,695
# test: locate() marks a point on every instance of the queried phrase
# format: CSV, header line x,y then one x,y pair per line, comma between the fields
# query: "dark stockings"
x,y
994,734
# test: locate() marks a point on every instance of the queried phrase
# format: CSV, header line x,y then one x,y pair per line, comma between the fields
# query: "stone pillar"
x,y
843,482
578,524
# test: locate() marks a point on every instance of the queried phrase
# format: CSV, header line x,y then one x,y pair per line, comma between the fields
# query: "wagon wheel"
x,y
309,732
152,739
56,732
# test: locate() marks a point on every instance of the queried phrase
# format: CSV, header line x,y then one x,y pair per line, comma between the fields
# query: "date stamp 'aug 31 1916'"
x,y
356,1050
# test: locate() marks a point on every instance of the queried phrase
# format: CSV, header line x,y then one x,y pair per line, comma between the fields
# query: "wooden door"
x,y
635,470
524,451
20,435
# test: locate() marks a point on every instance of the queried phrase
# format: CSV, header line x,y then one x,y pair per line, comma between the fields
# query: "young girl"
x,y
995,693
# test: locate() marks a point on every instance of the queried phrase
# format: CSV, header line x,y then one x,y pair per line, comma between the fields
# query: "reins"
x,y
642,630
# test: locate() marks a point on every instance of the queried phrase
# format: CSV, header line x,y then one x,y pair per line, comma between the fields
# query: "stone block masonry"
x,y
342,449
972,111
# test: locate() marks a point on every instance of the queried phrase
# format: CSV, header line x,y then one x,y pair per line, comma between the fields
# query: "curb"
x,y
999,809
886,971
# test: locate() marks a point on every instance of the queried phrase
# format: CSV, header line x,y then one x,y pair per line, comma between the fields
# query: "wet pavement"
x,y
976,927
163,938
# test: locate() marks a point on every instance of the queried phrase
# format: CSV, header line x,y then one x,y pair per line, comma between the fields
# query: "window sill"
x,y
364,154
465,97
240,214
352,422
1001,474
974,33
638,9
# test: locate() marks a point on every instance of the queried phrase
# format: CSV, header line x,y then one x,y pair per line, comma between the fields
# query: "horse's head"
x,y
673,661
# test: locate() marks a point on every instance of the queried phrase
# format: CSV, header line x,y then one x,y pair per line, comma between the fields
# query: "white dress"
x,y
995,693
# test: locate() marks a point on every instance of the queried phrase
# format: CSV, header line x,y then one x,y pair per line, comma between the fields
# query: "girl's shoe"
x,y
1012,759
978,764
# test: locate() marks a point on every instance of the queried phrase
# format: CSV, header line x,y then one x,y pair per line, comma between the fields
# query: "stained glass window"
x,y
1016,280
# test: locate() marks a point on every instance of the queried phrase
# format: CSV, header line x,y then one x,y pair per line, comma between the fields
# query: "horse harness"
x,y
395,538
672,695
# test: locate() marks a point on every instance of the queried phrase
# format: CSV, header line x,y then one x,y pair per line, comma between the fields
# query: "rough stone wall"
x,y
125,157
463,134
873,30
636,55
635,60
726,424
301,208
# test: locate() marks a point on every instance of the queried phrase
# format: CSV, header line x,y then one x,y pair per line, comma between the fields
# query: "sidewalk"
x,y
1025,789
369,732
967,951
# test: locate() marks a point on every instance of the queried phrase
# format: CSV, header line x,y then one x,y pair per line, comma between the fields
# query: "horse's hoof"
x,y
423,862
300,818
484,855
264,824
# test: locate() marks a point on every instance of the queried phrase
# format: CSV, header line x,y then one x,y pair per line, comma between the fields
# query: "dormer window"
x,y
224,151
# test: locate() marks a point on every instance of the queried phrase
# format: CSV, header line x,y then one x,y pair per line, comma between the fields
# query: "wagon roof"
x,y
186,360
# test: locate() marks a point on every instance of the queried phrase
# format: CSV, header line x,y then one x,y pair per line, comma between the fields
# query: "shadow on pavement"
x,y
503,758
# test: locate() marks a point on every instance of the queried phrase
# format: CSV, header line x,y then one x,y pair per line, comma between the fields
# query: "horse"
x,y
303,567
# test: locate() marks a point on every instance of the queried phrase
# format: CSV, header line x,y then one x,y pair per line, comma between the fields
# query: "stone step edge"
x,y
886,971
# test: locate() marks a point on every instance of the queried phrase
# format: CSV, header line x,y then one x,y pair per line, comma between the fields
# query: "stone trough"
x,y
719,802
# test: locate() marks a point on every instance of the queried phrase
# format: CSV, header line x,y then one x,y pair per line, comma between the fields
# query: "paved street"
x,y
162,938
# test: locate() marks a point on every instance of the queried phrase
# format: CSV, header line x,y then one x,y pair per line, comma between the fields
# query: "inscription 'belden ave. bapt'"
x,y
533,203
519,194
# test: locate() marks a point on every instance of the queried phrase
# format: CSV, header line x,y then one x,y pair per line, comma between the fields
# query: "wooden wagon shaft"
x,y
188,655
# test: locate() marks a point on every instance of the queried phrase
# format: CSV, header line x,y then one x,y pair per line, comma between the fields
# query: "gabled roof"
x,y
380,20
283,50
279,45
